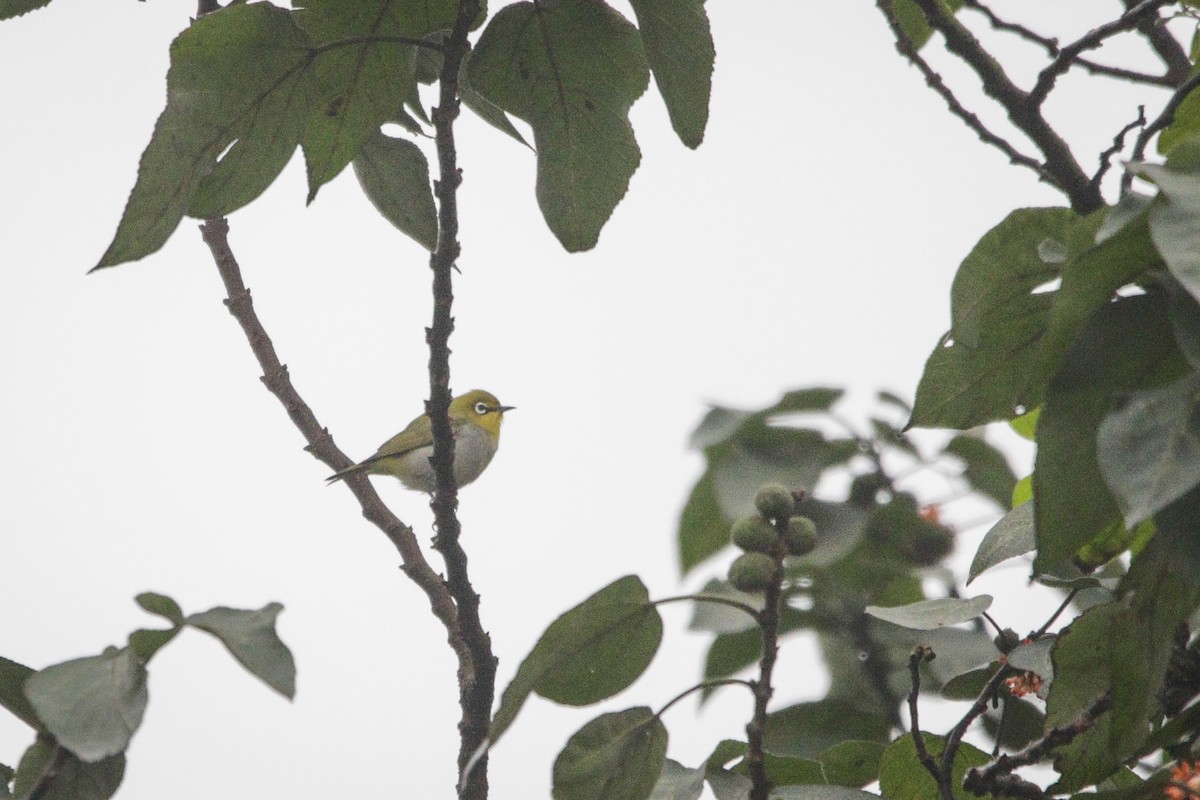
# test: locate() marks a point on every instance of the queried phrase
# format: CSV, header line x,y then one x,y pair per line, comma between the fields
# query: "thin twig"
x,y
1090,40
1040,632
954,738
997,778
1052,48
1117,146
699,687
935,82
1168,48
215,233
920,655
712,598
1022,108
1165,118
476,688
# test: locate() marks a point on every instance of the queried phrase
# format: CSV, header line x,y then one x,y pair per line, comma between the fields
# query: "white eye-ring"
x,y
481,408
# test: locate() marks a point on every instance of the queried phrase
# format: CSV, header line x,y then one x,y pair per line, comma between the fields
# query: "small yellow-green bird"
x,y
475,419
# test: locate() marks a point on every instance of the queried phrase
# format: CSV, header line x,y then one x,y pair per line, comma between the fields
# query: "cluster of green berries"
x,y
774,532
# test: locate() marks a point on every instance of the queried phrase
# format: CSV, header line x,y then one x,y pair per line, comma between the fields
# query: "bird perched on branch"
x,y
475,419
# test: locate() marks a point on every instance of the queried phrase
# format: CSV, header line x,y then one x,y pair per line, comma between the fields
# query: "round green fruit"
x,y
754,534
752,572
801,536
774,501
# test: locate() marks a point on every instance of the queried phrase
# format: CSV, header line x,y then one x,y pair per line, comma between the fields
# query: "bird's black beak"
x,y
502,409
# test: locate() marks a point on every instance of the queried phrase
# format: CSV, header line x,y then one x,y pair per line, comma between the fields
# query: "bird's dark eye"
x,y
481,408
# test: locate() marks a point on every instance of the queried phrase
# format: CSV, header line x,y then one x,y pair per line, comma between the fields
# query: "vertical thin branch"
x,y
941,776
477,685
756,729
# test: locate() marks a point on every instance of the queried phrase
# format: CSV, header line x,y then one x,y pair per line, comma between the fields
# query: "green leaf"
x,y
366,83
715,617
1035,657
727,785
677,782
12,692
72,780
617,756
852,763
589,653
1184,125
1012,536
485,109
394,175
1089,282
968,685
239,76
92,705
806,730
1025,425
937,613
978,371
679,47
902,776
15,8
1128,345
731,653
147,642
986,468
161,605
250,637
1184,313
1022,724
571,70
1149,448
703,529
818,792
1174,216
912,20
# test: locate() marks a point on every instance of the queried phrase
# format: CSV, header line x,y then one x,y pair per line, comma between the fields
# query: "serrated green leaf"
x,y
394,175
903,777
617,756
572,70
806,730
365,83
852,763
1149,448
249,635
679,47
1012,536
936,613
72,780
239,76
92,705
589,653
15,8
12,692
986,468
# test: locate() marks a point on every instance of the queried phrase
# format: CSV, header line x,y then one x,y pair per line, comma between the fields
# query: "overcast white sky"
x,y
810,240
